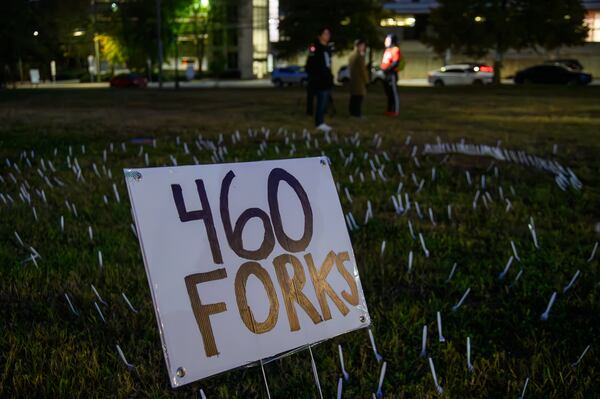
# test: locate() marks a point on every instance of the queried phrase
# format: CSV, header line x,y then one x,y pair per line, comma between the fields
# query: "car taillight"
x,y
486,68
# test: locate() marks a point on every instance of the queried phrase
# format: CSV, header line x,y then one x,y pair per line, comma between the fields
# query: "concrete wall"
x,y
588,55
420,59
245,49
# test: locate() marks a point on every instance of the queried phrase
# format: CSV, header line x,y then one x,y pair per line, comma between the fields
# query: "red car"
x,y
128,80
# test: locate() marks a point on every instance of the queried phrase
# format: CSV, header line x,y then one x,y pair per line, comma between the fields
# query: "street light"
x,y
36,33
96,44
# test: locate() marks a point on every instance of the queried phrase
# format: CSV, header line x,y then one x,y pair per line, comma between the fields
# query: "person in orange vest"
x,y
391,63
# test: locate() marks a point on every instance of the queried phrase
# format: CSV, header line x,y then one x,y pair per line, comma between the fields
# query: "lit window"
x,y
260,37
274,21
399,20
592,20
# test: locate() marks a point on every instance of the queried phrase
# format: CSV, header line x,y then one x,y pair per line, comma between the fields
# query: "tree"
x,y
348,20
196,17
135,28
32,32
111,49
477,27
554,23
16,31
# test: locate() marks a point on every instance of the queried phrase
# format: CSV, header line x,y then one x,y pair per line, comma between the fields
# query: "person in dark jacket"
x,y
391,63
310,100
320,78
359,77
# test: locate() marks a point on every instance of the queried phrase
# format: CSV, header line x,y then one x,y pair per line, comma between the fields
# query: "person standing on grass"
x,y
320,79
392,62
359,77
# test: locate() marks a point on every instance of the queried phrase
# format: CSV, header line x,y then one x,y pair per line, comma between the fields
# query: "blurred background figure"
x,y
320,79
359,77
391,63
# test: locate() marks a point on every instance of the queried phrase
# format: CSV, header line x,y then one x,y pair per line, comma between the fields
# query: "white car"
x,y
343,75
462,74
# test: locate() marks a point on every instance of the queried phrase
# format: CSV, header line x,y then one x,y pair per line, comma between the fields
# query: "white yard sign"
x,y
245,261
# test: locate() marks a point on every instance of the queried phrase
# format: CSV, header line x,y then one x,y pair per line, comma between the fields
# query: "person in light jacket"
x,y
359,77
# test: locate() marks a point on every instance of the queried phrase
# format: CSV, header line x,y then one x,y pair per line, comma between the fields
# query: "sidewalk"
x,y
63,84
211,84
194,84
217,83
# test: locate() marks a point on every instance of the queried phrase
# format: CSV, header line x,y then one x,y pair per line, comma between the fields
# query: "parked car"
x,y
343,75
552,74
572,64
290,75
462,74
128,80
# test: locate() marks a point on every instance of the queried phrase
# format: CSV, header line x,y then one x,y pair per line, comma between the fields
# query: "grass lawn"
x,y
48,351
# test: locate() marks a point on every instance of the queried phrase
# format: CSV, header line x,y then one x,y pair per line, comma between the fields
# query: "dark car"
x,y
128,80
572,64
552,74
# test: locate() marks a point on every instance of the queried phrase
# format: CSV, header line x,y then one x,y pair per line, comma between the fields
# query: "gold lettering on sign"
x,y
322,287
352,298
201,311
241,278
292,290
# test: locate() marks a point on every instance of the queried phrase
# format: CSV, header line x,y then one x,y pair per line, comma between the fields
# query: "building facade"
x,y
237,41
217,38
410,20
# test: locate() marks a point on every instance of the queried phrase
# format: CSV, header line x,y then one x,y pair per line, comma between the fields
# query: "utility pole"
x,y
176,63
160,46
96,44
97,57
196,40
21,76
